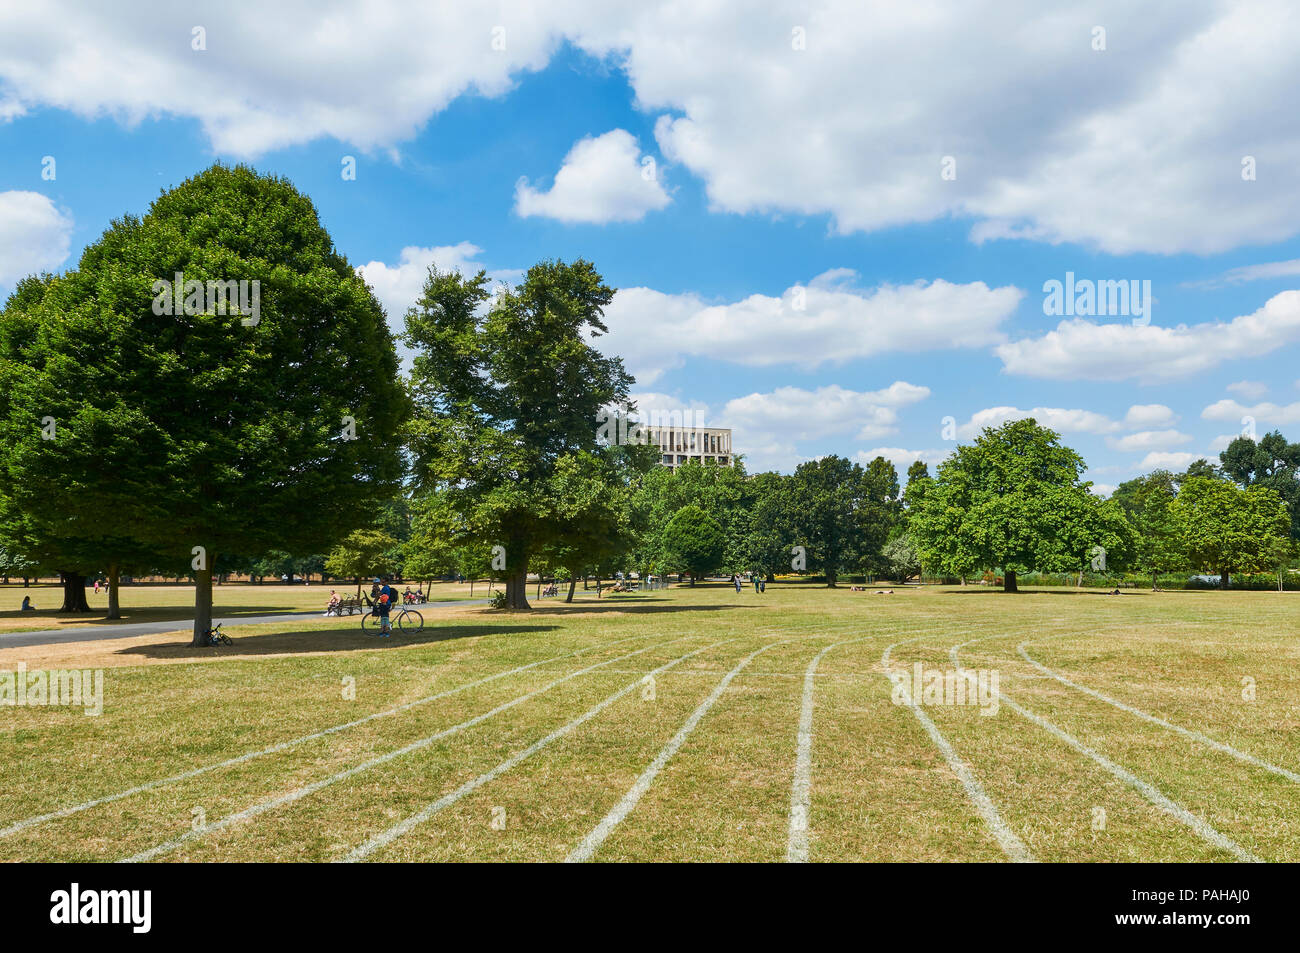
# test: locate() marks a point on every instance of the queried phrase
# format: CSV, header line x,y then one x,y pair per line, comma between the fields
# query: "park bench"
x,y
348,606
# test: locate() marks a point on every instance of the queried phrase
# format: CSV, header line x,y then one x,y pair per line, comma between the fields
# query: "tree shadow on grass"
x,y
306,641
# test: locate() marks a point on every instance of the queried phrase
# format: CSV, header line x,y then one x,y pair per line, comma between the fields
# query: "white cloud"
x,y
1267,412
1062,420
1102,489
397,286
1261,272
602,180
1164,460
1096,149
35,235
1146,416
1081,349
1220,443
1149,440
1251,390
902,458
827,321
768,426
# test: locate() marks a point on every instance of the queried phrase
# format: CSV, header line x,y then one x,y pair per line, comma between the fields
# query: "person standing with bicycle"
x,y
383,604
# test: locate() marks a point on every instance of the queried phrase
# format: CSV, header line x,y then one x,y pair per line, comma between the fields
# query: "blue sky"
x,y
794,263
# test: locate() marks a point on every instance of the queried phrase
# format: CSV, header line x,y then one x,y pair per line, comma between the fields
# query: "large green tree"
x,y
201,429
694,543
1226,528
1147,502
1270,462
506,388
1015,500
832,502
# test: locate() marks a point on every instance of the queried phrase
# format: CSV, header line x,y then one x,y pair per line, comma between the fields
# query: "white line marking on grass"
x,y
796,851
284,745
1155,720
1149,791
591,843
1007,839
397,830
263,806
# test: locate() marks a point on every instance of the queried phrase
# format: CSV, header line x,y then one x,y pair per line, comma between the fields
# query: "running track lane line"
x,y
1149,791
1007,839
397,830
263,806
1186,732
796,851
283,745
591,843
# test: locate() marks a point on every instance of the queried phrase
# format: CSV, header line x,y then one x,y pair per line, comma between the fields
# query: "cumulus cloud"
x,y
1261,272
1149,440
1060,419
603,179
829,321
1081,349
35,235
902,458
768,427
1263,413
828,107
397,286
1165,460
1251,390
1147,416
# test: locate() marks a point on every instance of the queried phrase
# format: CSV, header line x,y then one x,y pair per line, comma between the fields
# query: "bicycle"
x,y
407,620
214,637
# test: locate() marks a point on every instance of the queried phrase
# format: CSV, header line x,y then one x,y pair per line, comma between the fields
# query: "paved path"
x,y
95,633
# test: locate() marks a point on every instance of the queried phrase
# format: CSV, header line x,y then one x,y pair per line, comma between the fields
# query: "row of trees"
x,y
202,439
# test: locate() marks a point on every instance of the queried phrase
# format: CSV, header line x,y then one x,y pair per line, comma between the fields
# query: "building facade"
x,y
679,444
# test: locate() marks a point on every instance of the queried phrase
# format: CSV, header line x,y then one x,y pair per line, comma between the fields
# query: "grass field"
x,y
1139,727
158,603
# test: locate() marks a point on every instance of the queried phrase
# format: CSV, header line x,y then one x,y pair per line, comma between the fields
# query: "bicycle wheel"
x,y
410,621
370,622
226,640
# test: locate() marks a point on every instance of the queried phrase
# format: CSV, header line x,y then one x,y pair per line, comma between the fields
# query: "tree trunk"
x,y
831,577
573,585
1155,579
1225,579
1009,581
358,587
202,605
1079,583
471,588
114,607
74,592
517,590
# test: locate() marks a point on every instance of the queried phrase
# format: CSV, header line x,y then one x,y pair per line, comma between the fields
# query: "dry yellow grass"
x,y
880,787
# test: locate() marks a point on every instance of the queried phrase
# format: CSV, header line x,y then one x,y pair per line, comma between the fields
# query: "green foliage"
x,y
693,543
843,514
1226,528
507,394
901,559
177,430
364,553
1272,462
1013,500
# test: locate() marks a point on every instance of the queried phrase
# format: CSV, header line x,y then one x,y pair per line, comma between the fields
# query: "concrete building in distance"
x,y
679,444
